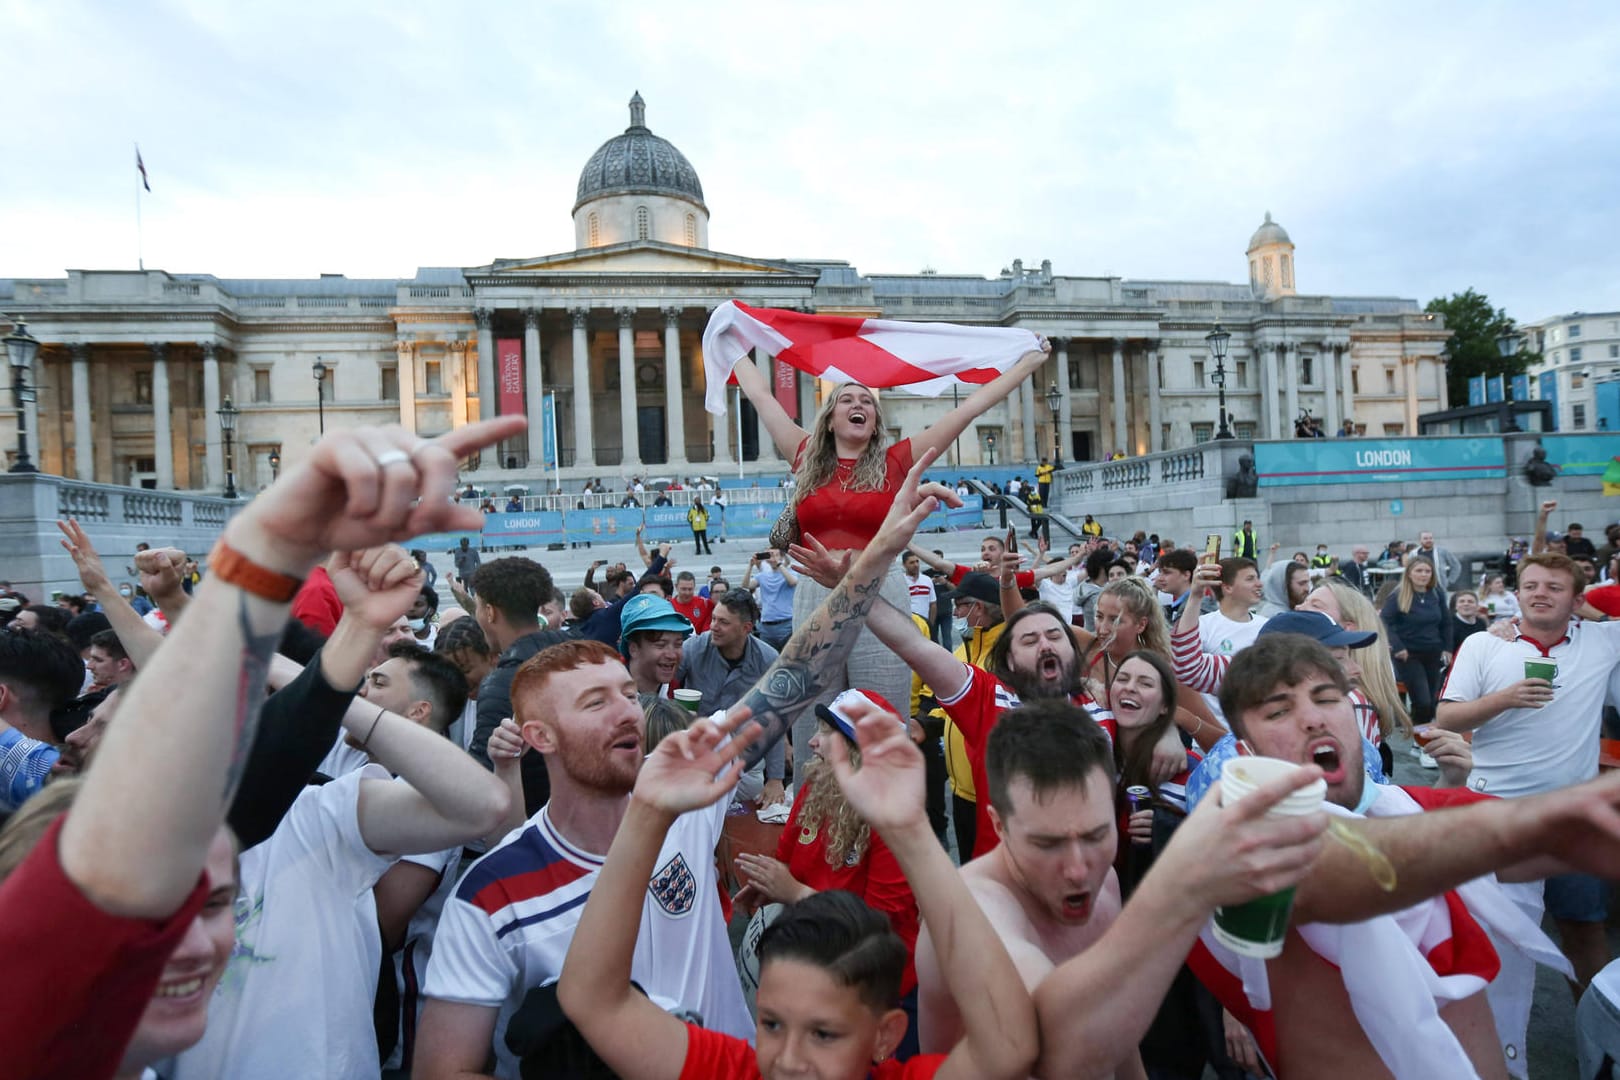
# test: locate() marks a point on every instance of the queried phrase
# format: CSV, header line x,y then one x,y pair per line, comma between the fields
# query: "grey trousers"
x,y
870,666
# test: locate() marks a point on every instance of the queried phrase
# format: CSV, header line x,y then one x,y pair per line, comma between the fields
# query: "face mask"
x,y
961,628
124,592
416,625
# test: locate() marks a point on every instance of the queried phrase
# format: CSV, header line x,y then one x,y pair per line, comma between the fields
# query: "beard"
x,y
595,765
1029,686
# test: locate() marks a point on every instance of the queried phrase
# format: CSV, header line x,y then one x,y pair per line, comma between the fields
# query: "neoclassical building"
x,y
600,347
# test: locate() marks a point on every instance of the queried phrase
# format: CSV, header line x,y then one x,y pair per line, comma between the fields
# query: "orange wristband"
x,y
234,568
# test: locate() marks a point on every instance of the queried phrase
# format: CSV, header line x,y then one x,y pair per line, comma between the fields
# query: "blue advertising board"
x,y
1493,390
1476,390
1361,461
1521,388
1581,455
1549,393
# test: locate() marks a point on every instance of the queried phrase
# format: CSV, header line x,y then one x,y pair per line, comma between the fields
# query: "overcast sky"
x,y
1409,149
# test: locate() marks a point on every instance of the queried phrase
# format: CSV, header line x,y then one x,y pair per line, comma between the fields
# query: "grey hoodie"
x,y
1274,585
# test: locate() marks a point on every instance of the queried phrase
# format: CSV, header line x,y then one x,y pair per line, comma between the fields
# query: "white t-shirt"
x,y
297,994
508,926
921,591
411,961
1525,751
1060,591
342,759
1223,636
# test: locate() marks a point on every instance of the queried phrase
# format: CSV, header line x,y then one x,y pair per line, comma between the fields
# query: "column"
x,y
1409,376
1347,376
455,373
1065,416
213,446
584,449
1155,439
1122,435
1291,388
405,376
533,390
488,392
1268,390
807,400
1026,412
1330,388
84,458
627,390
162,437
674,404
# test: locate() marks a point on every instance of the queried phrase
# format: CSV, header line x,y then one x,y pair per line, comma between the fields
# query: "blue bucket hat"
x,y
646,612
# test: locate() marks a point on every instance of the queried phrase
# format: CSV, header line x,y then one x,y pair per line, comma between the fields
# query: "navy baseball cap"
x,y
1315,625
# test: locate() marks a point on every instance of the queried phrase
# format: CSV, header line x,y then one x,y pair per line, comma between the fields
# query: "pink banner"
x,y
787,390
509,374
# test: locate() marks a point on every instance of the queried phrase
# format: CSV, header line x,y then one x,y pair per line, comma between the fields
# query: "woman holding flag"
x,y
846,470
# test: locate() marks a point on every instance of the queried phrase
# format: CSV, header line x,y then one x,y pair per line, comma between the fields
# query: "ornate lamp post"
x,y
21,348
990,447
320,391
1217,340
275,465
1054,398
227,426
1507,343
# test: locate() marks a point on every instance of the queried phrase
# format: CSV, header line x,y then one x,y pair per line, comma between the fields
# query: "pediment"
x,y
642,257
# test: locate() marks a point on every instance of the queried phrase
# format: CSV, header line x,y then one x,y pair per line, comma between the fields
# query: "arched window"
x,y
691,230
1266,263
1288,272
1254,273
643,223
594,228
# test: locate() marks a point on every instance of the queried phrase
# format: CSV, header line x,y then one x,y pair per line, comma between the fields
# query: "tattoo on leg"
x,y
250,692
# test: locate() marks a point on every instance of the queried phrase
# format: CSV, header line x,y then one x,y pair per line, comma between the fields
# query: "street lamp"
x,y
227,425
990,448
320,391
1054,398
21,348
1507,343
275,465
1217,340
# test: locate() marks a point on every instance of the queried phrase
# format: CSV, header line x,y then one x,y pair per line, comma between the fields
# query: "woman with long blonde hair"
x,y
1130,619
846,473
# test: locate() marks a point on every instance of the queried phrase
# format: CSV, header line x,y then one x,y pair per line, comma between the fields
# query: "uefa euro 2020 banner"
x,y
540,528
1362,461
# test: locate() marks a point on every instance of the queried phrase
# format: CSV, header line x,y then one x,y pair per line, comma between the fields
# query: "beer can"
x,y
1138,796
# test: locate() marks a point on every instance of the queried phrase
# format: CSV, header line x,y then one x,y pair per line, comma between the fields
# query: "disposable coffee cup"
x,y
1541,669
1490,606
688,699
1257,928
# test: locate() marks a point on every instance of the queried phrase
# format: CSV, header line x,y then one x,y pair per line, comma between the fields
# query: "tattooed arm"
x,y
136,838
800,673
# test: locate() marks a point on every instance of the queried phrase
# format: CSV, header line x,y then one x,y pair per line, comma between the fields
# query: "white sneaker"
x,y
1417,751
1426,761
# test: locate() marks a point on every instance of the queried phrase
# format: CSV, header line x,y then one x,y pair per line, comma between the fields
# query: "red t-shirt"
x,y
876,879
711,1055
974,711
317,605
697,610
848,520
77,979
1024,579
1606,598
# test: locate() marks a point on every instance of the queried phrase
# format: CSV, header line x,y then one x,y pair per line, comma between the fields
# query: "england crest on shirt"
x,y
674,887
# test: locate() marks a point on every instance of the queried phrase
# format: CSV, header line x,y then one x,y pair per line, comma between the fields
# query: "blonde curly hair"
x,y
846,838
818,465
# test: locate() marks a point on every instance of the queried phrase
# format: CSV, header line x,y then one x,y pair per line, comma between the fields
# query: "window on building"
x,y
1577,416
433,380
643,223
1082,373
1575,330
143,387
1577,380
1242,367
1254,273
390,382
1614,352
1203,432
1245,430
1198,375
1389,380
593,227
1394,429
1265,265
1575,355
691,230
1164,436
261,385
1288,271
1307,371
1355,382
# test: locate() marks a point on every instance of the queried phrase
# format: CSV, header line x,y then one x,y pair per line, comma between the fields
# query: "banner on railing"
x,y
1581,455
1361,461
509,374
660,524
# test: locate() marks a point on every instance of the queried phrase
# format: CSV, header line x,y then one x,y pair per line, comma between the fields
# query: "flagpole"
x,y
140,239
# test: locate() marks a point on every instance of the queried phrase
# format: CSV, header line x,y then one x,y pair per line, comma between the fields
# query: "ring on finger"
x,y
392,457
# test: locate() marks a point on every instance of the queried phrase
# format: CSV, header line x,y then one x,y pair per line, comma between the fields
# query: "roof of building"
x,y
638,162
1269,232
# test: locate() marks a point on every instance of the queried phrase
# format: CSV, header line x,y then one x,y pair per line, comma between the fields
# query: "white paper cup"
x,y
688,699
1258,928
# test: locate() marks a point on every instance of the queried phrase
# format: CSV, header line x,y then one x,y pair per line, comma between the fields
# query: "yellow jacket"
x,y
699,518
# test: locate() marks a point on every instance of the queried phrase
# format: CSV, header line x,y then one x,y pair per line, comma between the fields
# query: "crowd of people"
x,y
292,813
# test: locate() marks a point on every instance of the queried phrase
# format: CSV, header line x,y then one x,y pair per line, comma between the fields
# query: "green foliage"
x,y
1472,350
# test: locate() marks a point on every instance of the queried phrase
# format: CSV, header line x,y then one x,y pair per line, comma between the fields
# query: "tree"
x,y
1475,327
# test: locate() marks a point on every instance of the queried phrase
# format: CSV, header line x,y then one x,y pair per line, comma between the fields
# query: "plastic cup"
x,y
1541,669
1490,606
688,699
1257,928
1423,734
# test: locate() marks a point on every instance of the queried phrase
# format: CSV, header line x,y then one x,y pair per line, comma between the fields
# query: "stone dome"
x,y
638,162
1269,232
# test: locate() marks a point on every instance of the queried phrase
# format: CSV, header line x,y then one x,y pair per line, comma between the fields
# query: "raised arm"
x,y
929,559
139,640
940,434
136,839
160,570
1195,668
785,433
999,1034
1538,543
